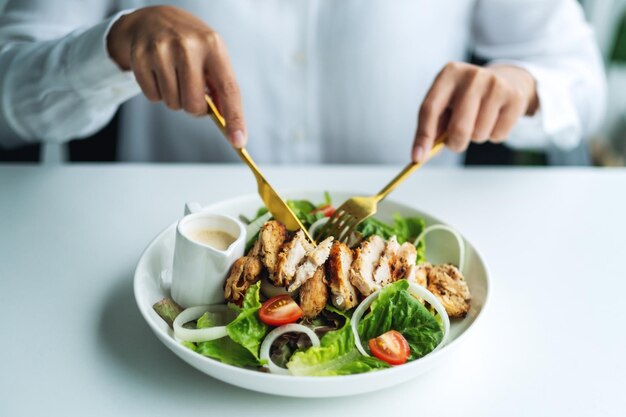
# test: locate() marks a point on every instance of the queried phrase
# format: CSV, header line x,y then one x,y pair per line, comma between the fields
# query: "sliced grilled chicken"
x,y
272,236
313,260
343,293
448,284
382,273
291,255
255,250
404,264
314,294
421,274
366,258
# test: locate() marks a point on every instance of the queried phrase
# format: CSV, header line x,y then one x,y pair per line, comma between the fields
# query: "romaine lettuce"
x,y
396,309
303,209
245,333
227,351
336,355
247,329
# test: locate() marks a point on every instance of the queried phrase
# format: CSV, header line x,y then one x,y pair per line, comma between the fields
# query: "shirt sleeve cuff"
x,y
91,67
556,122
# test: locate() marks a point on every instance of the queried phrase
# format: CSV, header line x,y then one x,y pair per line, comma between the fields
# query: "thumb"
x,y
232,111
225,102
422,144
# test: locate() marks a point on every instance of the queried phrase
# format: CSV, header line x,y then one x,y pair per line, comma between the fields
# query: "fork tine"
x,y
347,229
337,225
332,225
321,235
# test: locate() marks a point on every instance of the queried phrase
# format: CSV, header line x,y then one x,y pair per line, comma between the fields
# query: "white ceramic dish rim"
x,y
181,350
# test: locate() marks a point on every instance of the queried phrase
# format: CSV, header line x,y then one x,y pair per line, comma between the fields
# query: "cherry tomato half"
x,y
280,310
327,211
390,347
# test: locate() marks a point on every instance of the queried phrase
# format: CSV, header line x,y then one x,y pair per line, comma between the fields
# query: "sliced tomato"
x,y
390,347
280,310
326,210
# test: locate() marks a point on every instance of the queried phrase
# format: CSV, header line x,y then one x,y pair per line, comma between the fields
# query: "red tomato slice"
x,y
391,347
280,310
327,211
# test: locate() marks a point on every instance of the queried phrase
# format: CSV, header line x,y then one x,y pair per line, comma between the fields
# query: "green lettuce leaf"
x,y
245,333
260,212
396,309
208,320
327,200
303,209
223,349
336,355
247,329
227,351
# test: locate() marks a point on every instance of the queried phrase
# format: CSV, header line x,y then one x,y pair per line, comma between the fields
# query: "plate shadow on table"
x,y
141,358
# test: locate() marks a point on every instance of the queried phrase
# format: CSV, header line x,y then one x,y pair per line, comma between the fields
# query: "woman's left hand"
x,y
473,104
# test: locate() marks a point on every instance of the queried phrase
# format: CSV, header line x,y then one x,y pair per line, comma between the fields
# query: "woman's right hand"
x,y
176,58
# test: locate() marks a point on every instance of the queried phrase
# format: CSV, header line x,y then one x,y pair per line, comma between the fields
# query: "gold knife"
x,y
274,203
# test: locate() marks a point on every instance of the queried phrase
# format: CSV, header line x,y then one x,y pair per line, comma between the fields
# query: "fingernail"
x,y
239,139
418,154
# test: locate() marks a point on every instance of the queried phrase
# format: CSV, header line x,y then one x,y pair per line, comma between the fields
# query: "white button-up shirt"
x,y
322,80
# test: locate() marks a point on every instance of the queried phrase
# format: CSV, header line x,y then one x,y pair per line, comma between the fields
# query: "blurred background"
x,y
606,147
608,17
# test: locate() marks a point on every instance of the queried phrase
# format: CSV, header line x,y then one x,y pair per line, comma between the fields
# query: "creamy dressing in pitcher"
x,y
217,239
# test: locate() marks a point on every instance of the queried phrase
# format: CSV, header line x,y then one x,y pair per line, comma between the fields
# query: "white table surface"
x,y
552,341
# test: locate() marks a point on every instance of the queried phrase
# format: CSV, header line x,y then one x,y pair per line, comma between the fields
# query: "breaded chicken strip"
x,y
343,293
245,271
253,266
272,236
291,255
235,286
382,273
404,264
255,250
448,284
314,294
313,260
366,258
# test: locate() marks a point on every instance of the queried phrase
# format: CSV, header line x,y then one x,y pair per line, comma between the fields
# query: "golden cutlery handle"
x,y
221,124
412,166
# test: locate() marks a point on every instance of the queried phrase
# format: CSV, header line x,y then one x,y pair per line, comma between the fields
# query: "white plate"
x,y
440,247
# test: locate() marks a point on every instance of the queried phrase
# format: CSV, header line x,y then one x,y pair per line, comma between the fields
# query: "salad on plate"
x,y
331,308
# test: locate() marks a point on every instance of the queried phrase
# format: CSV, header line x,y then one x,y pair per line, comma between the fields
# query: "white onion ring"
x,y
356,318
275,334
316,225
199,335
456,234
415,290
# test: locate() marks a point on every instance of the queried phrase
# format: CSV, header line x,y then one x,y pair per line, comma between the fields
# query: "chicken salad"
x,y
331,308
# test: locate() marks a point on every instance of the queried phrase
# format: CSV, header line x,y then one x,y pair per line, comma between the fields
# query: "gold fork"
x,y
352,212
274,203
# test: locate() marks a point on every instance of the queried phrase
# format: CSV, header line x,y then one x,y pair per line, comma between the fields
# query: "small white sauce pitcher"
x,y
199,271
